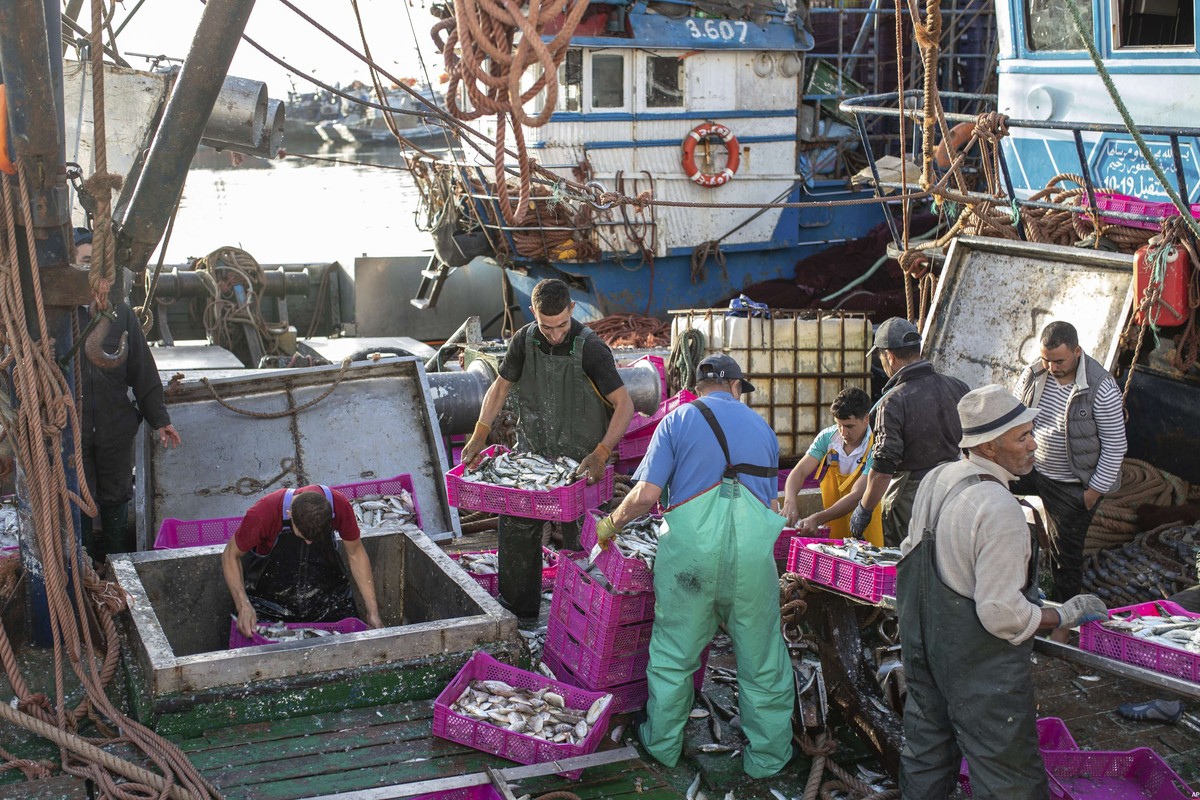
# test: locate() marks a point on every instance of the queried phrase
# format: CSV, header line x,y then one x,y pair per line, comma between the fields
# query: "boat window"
x,y
1050,27
570,82
1156,23
664,82
608,81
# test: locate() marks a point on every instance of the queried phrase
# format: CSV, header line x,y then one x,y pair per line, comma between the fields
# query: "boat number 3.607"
x,y
723,30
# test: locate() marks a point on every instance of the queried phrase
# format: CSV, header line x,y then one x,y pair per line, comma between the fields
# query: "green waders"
x,y
714,566
560,414
970,694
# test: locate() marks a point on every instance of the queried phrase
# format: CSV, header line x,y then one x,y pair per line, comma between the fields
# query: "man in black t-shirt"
x,y
570,402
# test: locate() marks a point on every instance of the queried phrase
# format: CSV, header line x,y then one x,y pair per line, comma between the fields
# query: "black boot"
x,y
519,558
92,540
117,537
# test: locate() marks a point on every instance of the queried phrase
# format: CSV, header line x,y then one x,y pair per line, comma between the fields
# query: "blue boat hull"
x,y
613,286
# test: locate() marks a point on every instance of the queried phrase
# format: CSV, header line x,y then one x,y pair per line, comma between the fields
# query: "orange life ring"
x,y
732,149
959,135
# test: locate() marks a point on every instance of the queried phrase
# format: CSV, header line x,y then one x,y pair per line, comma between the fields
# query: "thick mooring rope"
x,y
479,56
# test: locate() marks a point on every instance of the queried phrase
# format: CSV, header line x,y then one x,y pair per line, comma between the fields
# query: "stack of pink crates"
x,y
598,634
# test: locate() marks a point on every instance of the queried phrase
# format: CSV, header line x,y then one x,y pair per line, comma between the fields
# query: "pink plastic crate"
x,y
1094,775
809,483
1123,203
636,440
783,544
628,696
1133,650
599,638
484,792
597,670
869,583
176,533
508,744
347,625
623,574
491,583
386,486
592,594
1053,734
564,504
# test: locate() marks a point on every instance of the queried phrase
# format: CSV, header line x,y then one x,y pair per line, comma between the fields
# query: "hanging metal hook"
x,y
93,346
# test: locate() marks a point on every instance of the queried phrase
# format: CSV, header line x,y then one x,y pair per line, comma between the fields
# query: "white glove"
x,y
1080,610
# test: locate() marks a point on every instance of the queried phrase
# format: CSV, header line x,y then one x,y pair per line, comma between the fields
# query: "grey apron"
x,y
970,694
560,414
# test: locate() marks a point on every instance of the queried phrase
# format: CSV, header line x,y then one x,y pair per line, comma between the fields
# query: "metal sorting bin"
x,y
379,421
797,360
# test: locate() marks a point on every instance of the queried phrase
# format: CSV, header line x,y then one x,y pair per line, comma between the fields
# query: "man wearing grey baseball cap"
x,y
967,598
915,427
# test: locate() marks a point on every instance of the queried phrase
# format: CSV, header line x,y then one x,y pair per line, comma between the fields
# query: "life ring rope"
x,y
733,152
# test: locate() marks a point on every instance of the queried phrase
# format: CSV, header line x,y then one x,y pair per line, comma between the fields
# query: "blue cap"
x,y
82,236
721,367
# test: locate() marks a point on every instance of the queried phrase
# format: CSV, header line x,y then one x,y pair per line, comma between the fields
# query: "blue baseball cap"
x,y
722,368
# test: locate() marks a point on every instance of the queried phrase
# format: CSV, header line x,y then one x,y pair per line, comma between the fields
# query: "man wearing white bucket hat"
x,y
968,628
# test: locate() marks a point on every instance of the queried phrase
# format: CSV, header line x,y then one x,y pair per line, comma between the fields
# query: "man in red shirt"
x,y
283,562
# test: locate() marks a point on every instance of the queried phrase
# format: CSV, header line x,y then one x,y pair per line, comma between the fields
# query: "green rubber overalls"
x,y
715,566
969,692
560,414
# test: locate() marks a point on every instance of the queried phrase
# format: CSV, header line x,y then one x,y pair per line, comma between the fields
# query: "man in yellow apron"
x,y
841,458
717,462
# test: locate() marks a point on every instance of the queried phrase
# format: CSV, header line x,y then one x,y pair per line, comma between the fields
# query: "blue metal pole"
x,y
31,61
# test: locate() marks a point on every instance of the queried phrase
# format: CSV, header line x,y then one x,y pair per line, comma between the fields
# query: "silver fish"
x,y
639,539
524,471
859,552
528,712
390,511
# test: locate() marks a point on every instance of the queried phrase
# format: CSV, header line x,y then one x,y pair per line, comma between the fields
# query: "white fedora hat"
x,y
988,412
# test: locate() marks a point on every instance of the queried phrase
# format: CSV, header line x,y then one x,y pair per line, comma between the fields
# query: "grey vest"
x,y
1083,439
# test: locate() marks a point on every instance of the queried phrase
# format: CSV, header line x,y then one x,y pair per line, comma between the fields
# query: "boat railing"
x,y
866,109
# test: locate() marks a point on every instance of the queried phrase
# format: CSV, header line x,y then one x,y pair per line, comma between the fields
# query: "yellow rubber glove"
x,y
593,463
606,530
475,445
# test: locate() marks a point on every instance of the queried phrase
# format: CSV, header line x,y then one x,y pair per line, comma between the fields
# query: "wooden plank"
x,y
338,741
358,774
62,787
415,757
275,730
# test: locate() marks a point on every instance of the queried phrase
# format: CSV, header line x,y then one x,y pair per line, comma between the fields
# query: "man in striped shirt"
x,y
1080,435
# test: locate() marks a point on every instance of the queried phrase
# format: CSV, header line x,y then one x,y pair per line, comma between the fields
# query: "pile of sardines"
x,y
1177,631
280,632
639,539
523,471
542,713
859,552
487,564
391,511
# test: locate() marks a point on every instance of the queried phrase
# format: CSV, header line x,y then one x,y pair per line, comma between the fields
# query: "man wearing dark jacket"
x,y
111,415
916,428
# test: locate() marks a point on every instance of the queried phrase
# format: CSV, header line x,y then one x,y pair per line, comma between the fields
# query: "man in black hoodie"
x,y
115,401
916,428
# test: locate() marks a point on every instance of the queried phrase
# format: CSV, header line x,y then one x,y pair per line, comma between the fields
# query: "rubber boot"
x,y
519,559
570,536
117,537
92,540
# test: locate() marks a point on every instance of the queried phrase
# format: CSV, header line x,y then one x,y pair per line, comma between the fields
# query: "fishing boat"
x,y
727,115
353,717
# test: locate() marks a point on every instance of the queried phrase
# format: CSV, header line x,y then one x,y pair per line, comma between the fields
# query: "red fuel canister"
x,y
1169,266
